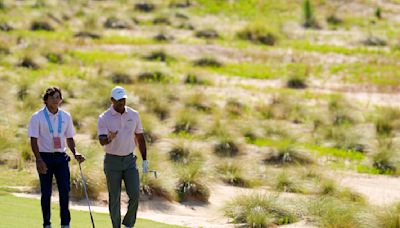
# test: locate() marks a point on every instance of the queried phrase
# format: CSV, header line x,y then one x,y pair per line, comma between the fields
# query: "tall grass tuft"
x,y
308,14
28,62
121,78
235,107
190,186
41,25
183,153
95,179
160,55
385,158
226,147
331,212
288,155
341,111
329,187
152,187
232,173
55,58
285,183
198,102
156,104
207,34
156,76
193,79
207,62
259,210
378,13
387,121
389,216
186,122
258,33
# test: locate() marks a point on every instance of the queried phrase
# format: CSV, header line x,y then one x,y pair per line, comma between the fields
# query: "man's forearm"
x,y
35,148
71,145
142,145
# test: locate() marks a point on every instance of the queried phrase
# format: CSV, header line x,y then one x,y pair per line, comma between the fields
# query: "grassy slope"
x,y
26,213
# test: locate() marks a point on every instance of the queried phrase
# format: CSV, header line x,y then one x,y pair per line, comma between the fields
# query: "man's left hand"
x,y
79,157
145,166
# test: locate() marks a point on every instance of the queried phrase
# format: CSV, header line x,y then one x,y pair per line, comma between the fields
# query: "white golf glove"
x,y
145,166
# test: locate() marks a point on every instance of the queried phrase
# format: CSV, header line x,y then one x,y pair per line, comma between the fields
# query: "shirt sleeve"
x,y
70,130
139,128
101,126
33,129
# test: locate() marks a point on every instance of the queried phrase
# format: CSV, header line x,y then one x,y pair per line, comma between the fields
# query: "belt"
x,y
119,156
55,153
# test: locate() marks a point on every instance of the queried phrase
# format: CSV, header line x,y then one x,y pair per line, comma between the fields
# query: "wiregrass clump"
x,y
386,120
160,55
162,37
41,25
258,34
186,122
207,34
95,183
145,7
116,23
193,79
156,104
189,185
226,147
235,107
184,153
288,155
28,62
308,16
389,216
121,78
156,76
55,58
161,21
260,210
328,211
198,102
296,83
152,187
385,160
207,62
329,187
232,174
286,183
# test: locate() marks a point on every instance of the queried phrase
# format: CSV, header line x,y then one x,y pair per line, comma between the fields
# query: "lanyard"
x,y
49,123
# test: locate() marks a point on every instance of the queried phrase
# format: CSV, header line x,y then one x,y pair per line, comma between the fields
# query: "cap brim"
x,y
119,98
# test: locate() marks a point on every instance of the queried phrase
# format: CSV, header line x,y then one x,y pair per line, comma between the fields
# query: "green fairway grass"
x,y
20,212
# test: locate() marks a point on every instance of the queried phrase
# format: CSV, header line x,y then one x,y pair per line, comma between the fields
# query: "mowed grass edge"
x,y
20,212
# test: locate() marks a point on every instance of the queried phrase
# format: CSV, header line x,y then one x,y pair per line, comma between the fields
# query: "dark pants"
x,y
118,168
57,165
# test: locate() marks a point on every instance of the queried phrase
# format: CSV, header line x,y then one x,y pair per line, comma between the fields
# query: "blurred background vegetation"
x,y
259,94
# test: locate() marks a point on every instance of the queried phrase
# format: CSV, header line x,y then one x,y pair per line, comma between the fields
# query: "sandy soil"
x,y
378,190
191,214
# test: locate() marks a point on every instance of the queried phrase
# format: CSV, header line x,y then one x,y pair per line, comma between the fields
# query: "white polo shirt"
x,y
127,124
38,128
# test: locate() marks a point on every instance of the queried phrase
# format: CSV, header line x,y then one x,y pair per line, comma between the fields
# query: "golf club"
x,y
154,172
87,197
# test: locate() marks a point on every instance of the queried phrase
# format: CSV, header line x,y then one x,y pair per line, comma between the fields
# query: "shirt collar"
x,y
50,113
113,112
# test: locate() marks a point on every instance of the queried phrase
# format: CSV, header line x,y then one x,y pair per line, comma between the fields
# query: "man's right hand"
x,y
41,166
111,135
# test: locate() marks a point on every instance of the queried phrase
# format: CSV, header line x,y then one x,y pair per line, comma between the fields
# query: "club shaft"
x,y
87,196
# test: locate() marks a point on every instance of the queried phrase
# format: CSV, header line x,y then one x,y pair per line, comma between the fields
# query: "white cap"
x,y
118,93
